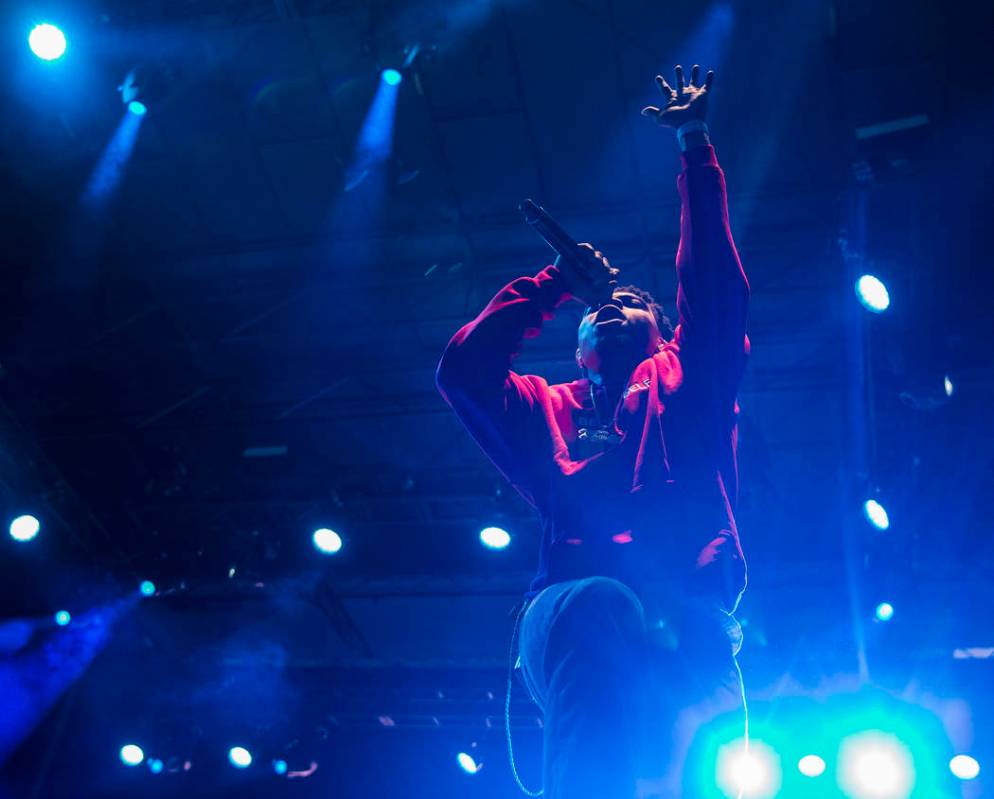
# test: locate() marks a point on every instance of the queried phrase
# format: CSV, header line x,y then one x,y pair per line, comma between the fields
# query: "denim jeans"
x,y
622,696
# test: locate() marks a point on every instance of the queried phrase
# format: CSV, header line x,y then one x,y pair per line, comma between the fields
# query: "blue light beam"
x,y
106,176
375,142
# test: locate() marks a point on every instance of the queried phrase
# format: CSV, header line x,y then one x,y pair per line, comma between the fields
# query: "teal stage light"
x,y
327,541
494,538
47,42
872,293
131,755
24,528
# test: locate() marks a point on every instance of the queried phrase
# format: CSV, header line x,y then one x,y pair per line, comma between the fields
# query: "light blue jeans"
x,y
622,698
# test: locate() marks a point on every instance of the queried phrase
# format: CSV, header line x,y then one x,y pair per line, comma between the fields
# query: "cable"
x,y
507,706
745,716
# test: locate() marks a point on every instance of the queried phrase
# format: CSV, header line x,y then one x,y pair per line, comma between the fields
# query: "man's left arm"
x,y
712,289
712,292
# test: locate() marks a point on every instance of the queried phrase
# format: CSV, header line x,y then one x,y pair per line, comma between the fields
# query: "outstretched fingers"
x,y
664,87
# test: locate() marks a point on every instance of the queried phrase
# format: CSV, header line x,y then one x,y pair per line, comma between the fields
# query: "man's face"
x,y
623,328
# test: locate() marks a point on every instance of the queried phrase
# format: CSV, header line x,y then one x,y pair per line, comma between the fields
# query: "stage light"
x,y
964,767
24,528
147,588
876,514
467,763
327,541
280,767
137,108
875,765
131,754
240,757
872,293
62,618
811,766
751,772
885,611
948,385
47,42
494,537
155,765
391,77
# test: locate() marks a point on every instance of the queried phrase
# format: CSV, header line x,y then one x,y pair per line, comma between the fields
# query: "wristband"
x,y
693,126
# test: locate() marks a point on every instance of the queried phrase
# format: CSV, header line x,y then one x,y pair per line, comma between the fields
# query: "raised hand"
x,y
686,102
588,275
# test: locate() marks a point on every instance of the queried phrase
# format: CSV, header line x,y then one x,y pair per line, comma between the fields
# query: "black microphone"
x,y
548,229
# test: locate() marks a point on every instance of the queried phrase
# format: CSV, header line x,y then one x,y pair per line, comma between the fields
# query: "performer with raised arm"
x,y
627,638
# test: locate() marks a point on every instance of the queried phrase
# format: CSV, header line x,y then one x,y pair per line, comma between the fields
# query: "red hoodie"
x,y
654,506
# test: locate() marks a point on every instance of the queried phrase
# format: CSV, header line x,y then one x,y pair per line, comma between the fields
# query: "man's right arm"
x,y
502,410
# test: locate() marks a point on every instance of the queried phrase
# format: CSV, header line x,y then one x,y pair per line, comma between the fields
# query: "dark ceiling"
x,y
234,295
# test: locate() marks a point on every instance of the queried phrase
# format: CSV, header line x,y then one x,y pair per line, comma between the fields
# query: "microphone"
x,y
548,229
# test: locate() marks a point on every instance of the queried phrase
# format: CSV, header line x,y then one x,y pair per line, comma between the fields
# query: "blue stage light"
x,y
875,765
240,757
872,293
147,588
494,537
948,385
47,42
392,77
885,611
155,765
280,767
327,541
137,108
467,764
24,528
752,770
811,766
132,754
964,767
62,618
876,514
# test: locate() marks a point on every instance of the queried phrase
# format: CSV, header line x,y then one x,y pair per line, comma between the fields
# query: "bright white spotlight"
x,y
240,757
948,385
811,766
875,765
62,618
876,514
964,767
392,77
147,588
494,537
885,611
24,528
47,42
752,772
467,763
872,293
327,541
131,754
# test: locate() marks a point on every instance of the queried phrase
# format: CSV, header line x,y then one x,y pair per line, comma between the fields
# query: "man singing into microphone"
x,y
627,642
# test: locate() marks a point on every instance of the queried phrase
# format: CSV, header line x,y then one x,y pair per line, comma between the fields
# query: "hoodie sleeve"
x,y
712,291
504,412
